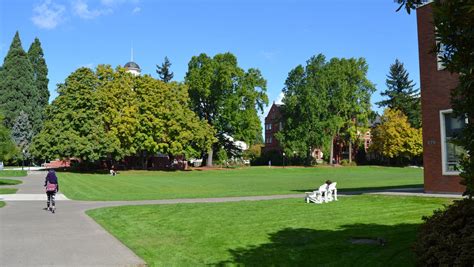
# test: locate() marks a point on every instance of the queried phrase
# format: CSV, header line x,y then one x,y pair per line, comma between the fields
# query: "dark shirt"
x,y
52,179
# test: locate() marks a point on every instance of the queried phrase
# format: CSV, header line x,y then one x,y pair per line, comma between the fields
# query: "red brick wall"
x,y
273,118
435,96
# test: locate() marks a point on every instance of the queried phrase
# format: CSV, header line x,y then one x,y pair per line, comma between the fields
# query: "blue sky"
x,y
273,36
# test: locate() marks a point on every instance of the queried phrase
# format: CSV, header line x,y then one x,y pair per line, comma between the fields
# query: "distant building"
x,y
274,124
440,155
132,67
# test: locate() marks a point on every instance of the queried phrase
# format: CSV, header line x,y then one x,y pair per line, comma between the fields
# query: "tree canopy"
x,y
322,100
395,137
113,114
227,97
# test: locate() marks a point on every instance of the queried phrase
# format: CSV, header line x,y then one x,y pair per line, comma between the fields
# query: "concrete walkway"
x,y
31,236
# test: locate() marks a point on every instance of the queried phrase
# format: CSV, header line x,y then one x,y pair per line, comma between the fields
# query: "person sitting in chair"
x,y
112,171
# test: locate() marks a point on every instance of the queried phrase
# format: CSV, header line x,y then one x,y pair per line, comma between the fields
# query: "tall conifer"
x,y
40,74
17,85
402,94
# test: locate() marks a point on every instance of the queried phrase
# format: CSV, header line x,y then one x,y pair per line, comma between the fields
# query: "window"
x,y
268,126
439,55
450,152
281,126
268,139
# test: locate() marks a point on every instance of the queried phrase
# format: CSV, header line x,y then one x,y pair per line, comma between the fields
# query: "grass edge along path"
x,y
273,232
13,173
253,181
3,190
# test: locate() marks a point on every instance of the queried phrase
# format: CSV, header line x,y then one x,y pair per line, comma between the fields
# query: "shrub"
x,y
346,162
447,237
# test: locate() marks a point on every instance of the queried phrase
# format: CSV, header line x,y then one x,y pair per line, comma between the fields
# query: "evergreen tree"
x,y
402,94
17,85
7,146
22,133
164,71
40,74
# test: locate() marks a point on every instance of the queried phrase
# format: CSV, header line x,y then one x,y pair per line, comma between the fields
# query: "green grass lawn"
x,y
271,233
143,185
2,204
12,173
9,182
8,191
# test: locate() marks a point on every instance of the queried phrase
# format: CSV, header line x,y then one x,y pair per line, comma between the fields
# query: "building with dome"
x,y
133,68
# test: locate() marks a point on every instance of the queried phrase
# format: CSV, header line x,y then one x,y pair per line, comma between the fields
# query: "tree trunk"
x,y
209,158
350,151
331,153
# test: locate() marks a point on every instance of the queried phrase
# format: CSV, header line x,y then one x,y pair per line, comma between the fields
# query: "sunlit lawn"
x,y
142,185
271,233
8,190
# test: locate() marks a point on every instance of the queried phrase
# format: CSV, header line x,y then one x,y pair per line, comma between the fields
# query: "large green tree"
x,y
112,114
305,109
18,91
167,123
227,97
401,94
324,100
40,74
73,125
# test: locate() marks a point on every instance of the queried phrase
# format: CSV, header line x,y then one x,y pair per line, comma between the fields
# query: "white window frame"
x,y
444,156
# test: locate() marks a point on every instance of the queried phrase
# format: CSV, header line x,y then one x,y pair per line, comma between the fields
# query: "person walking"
x,y
52,187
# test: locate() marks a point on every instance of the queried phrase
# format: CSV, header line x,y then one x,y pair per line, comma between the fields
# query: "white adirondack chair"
x,y
332,192
318,196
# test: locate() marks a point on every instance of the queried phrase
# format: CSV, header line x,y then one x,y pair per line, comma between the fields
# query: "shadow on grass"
x,y
310,247
360,190
9,182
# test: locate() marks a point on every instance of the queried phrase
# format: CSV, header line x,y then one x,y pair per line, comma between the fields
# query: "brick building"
x,y
440,156
273,125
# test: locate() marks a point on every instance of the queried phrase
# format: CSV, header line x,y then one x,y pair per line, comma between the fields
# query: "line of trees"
x,y
111,114
23,94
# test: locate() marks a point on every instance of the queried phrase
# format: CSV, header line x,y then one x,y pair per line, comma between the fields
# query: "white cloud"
x,y
280,98
81,9
136,10
48,15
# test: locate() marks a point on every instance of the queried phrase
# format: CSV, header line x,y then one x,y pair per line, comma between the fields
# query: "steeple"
x,y
131,66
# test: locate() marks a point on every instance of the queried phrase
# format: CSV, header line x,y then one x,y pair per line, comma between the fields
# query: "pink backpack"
x,y
51,187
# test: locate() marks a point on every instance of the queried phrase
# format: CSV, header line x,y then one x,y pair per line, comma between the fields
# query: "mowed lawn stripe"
x,y
147,185
269,233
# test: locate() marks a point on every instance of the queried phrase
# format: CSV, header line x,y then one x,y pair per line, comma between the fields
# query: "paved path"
x,y
27,237
31,236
